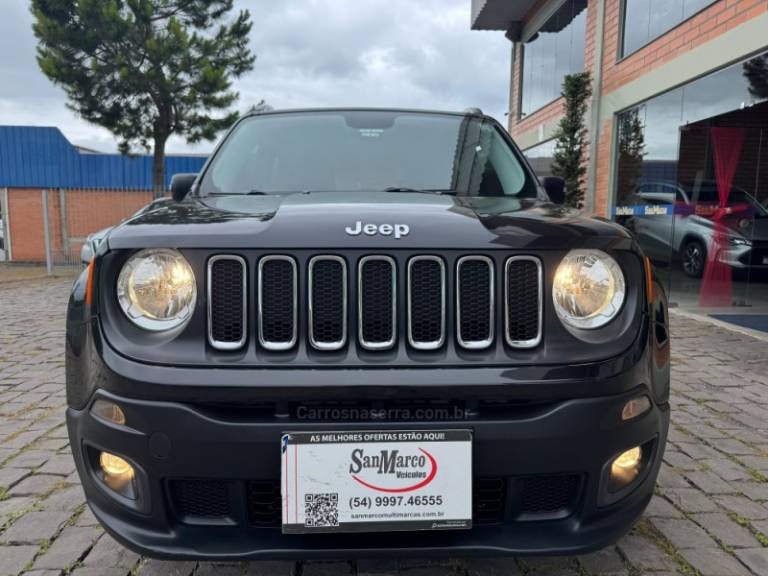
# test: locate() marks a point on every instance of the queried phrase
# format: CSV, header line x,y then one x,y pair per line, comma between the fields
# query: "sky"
x,y
400,53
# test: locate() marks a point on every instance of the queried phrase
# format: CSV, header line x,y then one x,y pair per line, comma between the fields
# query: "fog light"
x,y
635,408
626,468
108,411
114,465
118,475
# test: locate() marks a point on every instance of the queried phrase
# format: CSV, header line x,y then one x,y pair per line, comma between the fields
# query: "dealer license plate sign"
x,y
373,481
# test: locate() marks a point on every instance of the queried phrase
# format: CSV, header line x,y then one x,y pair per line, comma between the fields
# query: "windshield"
x,y
367,150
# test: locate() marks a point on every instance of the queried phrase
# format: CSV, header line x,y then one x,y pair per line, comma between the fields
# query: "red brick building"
x,y
85,191
647,58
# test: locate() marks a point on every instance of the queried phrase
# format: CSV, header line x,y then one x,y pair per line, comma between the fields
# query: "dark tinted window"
x,y
555,51
646,20
366,150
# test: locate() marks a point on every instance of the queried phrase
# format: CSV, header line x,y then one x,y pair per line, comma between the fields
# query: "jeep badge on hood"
x,y
396,230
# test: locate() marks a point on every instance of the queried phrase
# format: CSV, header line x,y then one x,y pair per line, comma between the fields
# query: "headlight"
x,y
589,289
156,289
739,241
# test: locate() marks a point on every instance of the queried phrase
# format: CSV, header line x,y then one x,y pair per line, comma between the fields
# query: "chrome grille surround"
x,y
435,344
360,303
328,316
476,344
533,342
319,345
225,345
280,345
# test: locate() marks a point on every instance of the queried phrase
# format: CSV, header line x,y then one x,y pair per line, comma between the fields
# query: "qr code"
x,y
321,510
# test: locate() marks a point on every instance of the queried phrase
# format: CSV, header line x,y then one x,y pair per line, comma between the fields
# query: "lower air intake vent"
x,y
277,302
200,498
488,500
377,302
264,504
548,494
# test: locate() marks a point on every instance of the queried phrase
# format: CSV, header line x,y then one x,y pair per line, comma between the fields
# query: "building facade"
x,y
678,125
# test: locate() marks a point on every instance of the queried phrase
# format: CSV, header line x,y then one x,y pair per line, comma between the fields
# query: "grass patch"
x,y
762,538
4,494
757,475
18,514
741,521
648,530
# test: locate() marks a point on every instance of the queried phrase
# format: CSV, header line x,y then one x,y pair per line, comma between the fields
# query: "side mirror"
x,y
181,184
86,253
555,188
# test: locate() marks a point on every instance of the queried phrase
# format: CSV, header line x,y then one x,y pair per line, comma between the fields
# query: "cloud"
x,y
309,53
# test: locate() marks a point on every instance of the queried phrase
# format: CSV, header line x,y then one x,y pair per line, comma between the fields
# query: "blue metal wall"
x,y
38,157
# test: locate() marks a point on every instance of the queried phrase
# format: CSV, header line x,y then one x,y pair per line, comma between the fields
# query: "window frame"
x,y
520,114
621,55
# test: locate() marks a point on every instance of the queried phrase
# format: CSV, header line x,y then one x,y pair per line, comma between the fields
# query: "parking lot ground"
x,y
709,517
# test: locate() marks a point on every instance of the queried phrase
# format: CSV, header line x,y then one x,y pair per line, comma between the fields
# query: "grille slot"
x,y
548,494
277,302
264,503
523,293
474,302
200,498
426,302
327,302
377,301
227,297
489,496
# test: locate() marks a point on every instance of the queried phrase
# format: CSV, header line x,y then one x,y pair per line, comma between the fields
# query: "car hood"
x,y
755,229
319,220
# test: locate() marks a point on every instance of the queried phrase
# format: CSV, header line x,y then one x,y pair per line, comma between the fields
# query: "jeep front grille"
x,y
278,290
523,285
426,302
327,302
377,302
227,302
446,302
474,303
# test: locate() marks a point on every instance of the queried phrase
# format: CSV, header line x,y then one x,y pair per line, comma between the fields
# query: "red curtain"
x,y
727,144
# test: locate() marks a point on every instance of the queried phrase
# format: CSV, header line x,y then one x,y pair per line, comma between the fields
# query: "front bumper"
x,y
181,441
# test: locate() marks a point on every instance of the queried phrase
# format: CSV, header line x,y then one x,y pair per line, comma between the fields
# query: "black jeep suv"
x,y
365,332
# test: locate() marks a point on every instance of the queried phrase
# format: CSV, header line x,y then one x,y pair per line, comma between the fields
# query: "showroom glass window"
x,y
555,51
646,20
668,188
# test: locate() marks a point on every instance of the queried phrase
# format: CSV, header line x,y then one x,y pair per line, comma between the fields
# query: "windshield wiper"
x,y
256,193
417,190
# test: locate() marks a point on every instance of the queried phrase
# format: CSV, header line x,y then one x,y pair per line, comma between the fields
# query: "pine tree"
x,y
756,72
571,138
146,69
631,152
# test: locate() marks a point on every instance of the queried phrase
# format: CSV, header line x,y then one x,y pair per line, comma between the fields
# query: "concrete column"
x,y
5,214
64,223
594,123
47,233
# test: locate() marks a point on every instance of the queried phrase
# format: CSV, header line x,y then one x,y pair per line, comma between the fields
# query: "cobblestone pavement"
x,y
710,516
